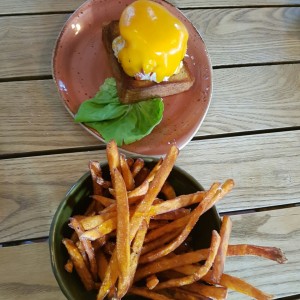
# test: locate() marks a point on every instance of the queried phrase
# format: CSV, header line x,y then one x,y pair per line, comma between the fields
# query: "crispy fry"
x,y
202,270
140,190
110,277
213,195
176,203
79,264
144,292
213,292
140,177
137,166
96,172
218,267
159,178
272,253
168,191
130,161
113,157
152,281
102,264
91,222
69,266
123,230
230,282
105,201
169,227
172,215
172,262
179,294
239,285
103,183
159,242
134,257
75,224
127,175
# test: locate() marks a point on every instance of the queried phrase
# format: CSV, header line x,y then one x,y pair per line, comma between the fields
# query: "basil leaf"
x,y
124,123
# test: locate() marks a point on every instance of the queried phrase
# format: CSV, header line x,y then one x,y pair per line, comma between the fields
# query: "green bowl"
x,y
76,201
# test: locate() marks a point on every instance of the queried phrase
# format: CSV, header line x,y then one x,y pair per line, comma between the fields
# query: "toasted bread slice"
x,y
131,90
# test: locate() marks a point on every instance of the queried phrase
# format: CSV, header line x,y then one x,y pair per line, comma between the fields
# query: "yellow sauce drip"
x,y
155,40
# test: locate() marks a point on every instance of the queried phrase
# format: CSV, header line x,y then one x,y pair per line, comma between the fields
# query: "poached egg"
x,y
152,41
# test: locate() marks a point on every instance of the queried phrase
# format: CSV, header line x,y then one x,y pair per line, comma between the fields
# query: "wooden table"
x,y
251,133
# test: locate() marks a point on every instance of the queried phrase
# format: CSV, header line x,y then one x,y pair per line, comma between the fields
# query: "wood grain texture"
x,y
276,228
40,6
36,36
253,98
28,274
265,169
256,228
249,35
233,36
39,121
244,99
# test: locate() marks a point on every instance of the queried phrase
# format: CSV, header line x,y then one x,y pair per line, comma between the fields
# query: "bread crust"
x,y
131,90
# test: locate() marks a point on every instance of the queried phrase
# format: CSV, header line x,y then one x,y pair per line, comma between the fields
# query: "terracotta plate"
x,y
80,66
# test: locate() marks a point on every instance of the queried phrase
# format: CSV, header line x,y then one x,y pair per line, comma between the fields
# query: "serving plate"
x,y
80,66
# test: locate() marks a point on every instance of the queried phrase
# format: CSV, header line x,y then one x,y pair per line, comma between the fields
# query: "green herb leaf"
x,y
125,123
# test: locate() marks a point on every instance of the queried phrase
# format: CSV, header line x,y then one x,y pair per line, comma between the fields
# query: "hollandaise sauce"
x,y
152,42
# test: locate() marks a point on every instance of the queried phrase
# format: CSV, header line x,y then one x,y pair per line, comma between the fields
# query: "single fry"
x,y
137,166
137,244
113,157
140,177
272,253
241,286
127,175
96,173
79,264
176,203
105,201
168,191
102,263
91,222
218,267
172,215
110,277
69,266
123,230
152,281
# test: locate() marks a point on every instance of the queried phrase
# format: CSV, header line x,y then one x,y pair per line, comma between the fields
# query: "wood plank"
x,y
35,36
256,228
28,274
253,98
265,168
277,228
40,6
247,36
39,122
233,36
